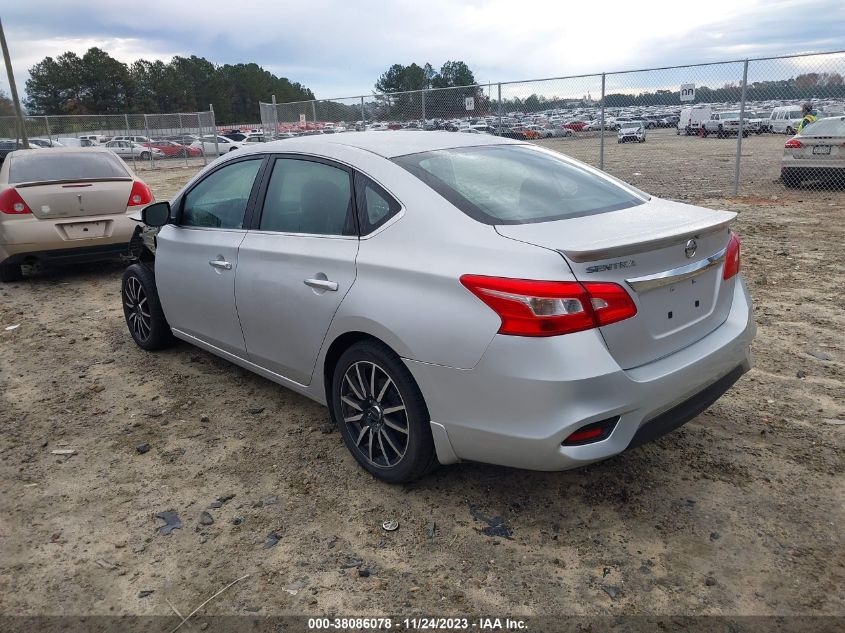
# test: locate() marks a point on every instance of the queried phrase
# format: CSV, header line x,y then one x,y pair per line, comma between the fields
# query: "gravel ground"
x,y
740,512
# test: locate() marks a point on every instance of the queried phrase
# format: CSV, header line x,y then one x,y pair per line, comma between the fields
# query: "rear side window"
x,y
219,201
375,205
516,184
41,166
305,196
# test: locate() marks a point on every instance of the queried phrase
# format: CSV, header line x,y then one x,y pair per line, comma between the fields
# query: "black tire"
x,y
419,456
745,134
183,153
149,329
144,156
10,272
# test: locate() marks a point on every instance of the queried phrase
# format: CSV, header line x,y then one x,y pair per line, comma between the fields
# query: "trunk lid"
x,y
76,199
680,298
819,148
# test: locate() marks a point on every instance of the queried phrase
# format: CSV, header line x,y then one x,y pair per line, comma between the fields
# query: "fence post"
x,y
601,125
500,109
423,106
214,130
741,126
314,113
363,118
147,134
200,130
275,117
129,136
182,139
47,123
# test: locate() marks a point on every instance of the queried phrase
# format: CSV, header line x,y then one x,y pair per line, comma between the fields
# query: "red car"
x,y
575,125
172,149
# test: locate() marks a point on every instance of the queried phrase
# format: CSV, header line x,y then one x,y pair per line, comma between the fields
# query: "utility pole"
x,y
12,88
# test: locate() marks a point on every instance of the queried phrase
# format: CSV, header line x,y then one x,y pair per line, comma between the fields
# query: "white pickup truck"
x,y
725,124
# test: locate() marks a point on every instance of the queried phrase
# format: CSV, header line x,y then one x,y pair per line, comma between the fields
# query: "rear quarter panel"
x,y
408,291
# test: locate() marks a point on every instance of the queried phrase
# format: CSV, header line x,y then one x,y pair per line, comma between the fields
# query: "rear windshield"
x,y
825,127
516,184
44,166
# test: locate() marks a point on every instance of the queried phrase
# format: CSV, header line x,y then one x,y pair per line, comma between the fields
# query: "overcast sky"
x,y
340,47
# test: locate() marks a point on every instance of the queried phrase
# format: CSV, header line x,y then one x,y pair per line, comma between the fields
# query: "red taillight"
x,y
584,436
549,308
141,195
732,258
610,302
11,203
793,143
592,432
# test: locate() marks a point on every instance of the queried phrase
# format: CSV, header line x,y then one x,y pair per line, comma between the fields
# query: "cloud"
x,y
336,47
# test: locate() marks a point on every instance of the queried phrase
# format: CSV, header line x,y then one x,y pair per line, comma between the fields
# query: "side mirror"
x,y
157,214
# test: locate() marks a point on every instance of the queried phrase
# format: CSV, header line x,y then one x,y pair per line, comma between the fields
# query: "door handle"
x,y
322,284
220,263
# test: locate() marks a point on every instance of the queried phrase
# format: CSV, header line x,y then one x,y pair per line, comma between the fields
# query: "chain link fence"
x,y
145,141
684,132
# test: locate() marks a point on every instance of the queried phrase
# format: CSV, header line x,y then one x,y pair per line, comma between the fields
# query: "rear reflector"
x,y
549,308
141,195
590,433
11,203
732,257
793,143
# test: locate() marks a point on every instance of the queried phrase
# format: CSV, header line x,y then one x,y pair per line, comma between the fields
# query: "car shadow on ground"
x,y
39,273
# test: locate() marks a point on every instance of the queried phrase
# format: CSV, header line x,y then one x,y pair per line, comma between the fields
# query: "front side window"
x,y
305,196
517,184
219,201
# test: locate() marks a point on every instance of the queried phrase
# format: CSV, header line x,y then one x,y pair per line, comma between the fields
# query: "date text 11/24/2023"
x,y
417,624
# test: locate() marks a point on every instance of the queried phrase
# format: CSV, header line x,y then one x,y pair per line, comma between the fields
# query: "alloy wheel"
x,y
137,308
375,414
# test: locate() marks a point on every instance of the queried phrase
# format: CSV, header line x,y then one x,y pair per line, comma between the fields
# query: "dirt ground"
x,y
740,512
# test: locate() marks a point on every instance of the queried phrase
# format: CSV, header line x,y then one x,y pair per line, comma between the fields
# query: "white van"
x,y
69,141
692,118
785,119
96,139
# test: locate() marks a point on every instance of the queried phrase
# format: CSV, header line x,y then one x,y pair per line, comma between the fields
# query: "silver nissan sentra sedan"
x,y
449,296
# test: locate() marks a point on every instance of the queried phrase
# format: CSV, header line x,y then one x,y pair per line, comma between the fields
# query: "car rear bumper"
x,y
28,239
526,396
833,170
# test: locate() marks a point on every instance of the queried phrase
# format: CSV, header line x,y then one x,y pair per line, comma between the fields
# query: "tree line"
x,y
804,87
96,83
7,108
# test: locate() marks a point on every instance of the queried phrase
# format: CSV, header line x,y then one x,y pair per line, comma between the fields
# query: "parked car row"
x,y
147,148
705,120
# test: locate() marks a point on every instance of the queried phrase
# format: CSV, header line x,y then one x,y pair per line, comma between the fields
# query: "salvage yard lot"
x,y
739,512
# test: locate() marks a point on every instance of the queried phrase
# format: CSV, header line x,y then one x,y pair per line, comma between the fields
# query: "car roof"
x,y
71,150
388,144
